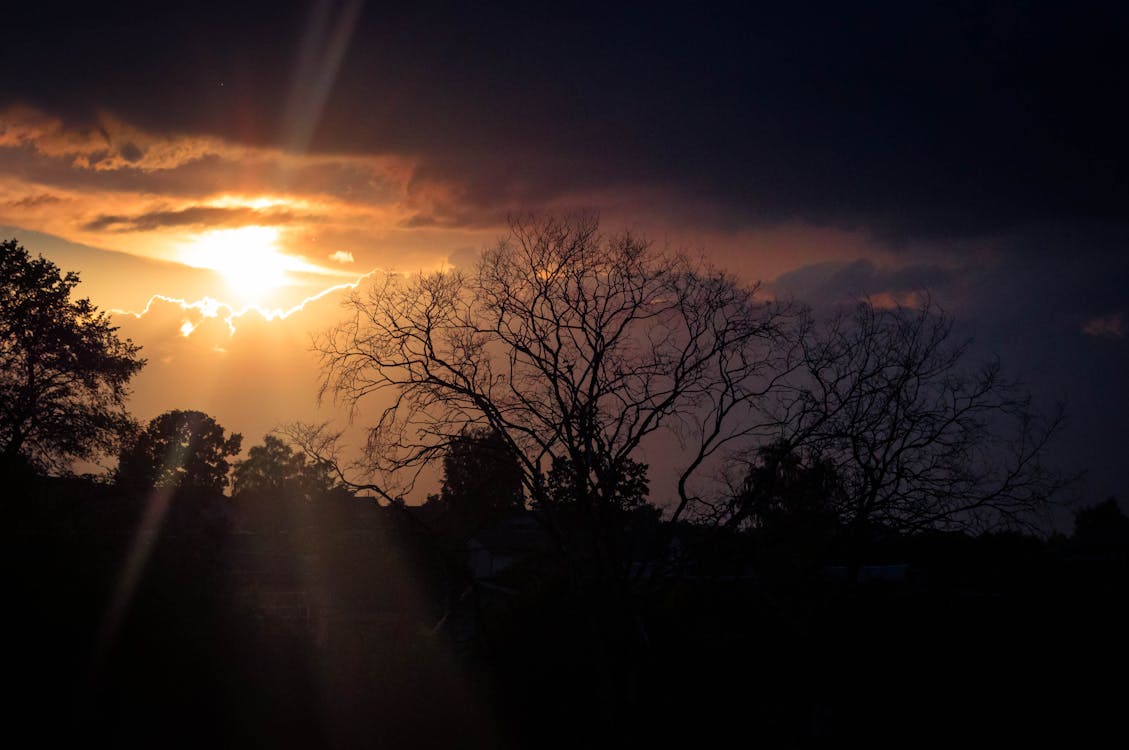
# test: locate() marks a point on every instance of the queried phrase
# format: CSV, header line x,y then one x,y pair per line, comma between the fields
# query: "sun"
x,y
247,258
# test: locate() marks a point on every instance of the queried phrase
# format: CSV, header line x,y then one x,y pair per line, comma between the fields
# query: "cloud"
x,y
342,256
34,201
117,186
419,220
1105,326
113,154
194,312
111,145
832,282
196,216
464,257
893,119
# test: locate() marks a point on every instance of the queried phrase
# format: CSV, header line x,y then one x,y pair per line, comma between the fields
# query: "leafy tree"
x,y
275,469
788,500
63,370
628,482
179,450
787,494
1102,524
482,478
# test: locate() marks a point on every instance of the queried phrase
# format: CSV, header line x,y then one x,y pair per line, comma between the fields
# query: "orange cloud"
x,y
1105,326
165,196
197,216
116,186
111,145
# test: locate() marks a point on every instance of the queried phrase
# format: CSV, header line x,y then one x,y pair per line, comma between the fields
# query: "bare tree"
x,y
572,346
917,438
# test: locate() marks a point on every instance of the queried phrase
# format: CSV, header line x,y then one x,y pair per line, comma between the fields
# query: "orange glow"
x,y
247,258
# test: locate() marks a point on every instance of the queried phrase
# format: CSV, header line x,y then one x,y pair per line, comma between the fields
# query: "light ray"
x,y
328,30
156,510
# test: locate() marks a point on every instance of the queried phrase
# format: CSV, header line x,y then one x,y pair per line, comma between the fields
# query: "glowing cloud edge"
x,y
209,307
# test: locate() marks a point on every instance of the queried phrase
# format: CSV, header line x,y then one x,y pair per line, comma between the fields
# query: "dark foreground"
x,y
348,630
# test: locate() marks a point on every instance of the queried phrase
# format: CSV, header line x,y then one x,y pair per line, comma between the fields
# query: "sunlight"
x,y
247,257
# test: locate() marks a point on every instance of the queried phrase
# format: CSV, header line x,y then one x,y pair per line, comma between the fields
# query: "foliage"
x,y
179,449
275,469
788,494
482,478
63,370
628,482
1102,524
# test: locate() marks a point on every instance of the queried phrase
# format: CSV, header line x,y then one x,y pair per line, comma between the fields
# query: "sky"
x,y
221,174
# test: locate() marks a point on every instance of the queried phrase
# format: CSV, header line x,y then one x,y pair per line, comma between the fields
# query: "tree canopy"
x,y
1102,524
787,493
275,469
179,449
482,478
64,371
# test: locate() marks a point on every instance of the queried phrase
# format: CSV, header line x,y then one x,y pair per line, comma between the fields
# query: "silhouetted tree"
x,y
481,478
179,449
788,500
572,346
917,437
628,485
63,370
787,493
275,469
1102,524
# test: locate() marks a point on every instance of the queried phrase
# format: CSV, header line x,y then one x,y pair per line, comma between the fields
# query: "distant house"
x,y
884,574
896,575
497,547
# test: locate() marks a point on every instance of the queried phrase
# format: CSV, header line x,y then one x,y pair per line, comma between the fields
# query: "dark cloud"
x,y
199,178
194,169
131,152
908,119
451,220
419,221
195,216
835,281
34,201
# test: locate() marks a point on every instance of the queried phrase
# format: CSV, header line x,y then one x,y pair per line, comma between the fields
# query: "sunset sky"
x,y
221,175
